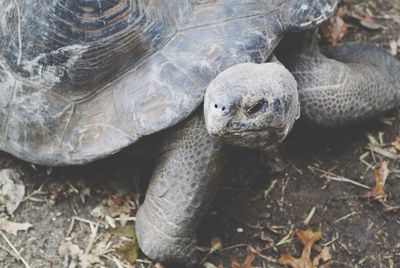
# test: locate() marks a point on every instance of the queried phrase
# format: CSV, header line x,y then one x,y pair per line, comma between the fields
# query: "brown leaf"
x,y
13,227
355,16
396,144
334,30
58,193
367,21
380,174
370,23
307,238
341,12
293,262
114,201
323,256
247,263
116,206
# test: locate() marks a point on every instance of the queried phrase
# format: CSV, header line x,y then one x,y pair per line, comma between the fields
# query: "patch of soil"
x,y
359,232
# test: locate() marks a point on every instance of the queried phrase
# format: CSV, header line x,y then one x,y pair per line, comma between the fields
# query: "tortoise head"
x,y
252,105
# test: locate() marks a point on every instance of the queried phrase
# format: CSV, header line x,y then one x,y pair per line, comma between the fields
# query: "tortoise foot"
x,y
161,246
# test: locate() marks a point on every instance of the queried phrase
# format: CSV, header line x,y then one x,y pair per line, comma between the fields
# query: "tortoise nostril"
x,y
216,106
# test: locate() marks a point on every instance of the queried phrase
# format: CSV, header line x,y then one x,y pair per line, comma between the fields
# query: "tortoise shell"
x,y
81,79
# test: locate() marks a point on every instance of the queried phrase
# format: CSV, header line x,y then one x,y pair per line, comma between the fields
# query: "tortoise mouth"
x,y
254,138
255,130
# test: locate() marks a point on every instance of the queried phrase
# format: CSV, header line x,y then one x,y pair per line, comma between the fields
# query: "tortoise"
x,y
80,80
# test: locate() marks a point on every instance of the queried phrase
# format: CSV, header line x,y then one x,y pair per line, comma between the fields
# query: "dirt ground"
x,y
265,200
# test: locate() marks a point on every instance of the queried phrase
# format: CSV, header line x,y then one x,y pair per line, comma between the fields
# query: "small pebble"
x,y
239,230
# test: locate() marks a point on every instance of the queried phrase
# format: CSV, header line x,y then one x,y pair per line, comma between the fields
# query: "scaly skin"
x,y
252,105
352,83
183,184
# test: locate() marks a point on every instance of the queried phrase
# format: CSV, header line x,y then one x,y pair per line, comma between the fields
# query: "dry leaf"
x,y
102,244
366,21
307,238
334,29
118,205
115,201
111,209
323,256
216,244
78,257
58,193
380,174
124,218
88,260
85,192
12,190
13,227
396,144
370,23
378,192
99,211
247,263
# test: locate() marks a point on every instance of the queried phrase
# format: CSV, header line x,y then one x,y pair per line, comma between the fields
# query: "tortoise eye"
x,y
261,105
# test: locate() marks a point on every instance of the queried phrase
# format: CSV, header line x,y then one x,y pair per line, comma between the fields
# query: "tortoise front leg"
x,y
184,183
351,83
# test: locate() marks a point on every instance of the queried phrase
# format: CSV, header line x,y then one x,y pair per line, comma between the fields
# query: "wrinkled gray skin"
x,y
245,107
167,220
350,83
79,80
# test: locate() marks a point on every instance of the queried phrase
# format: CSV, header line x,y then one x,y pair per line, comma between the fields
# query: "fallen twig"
x,y
334,177
309,216
14,249
381,151
345,217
